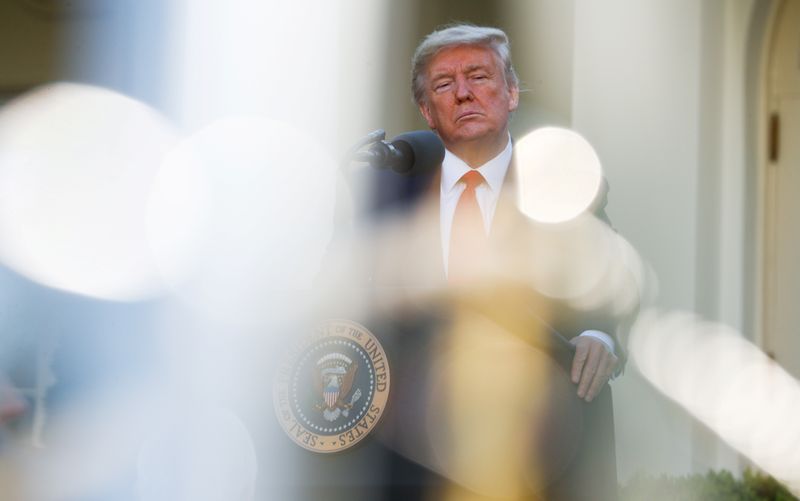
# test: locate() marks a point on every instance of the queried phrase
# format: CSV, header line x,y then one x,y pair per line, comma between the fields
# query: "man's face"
x,y
466,95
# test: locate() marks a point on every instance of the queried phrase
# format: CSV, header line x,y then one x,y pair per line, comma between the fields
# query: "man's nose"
x,y
463,89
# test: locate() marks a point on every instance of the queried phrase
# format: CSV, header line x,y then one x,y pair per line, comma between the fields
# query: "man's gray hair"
x,y
453,36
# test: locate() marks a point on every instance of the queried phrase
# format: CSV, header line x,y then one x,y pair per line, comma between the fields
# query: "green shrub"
x,y
713,486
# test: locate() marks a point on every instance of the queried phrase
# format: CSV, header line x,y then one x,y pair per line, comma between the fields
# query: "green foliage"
x,y
713,486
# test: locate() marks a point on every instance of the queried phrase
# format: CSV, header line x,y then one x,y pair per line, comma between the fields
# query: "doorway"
x,y
780,306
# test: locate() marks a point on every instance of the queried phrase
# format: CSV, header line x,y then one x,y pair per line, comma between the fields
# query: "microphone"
x,y
409,153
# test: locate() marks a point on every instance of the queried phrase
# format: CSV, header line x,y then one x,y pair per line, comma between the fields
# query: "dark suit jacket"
x,y
412,202
393,263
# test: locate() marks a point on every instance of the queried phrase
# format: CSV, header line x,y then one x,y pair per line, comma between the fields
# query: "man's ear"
x,y
513,102
426,112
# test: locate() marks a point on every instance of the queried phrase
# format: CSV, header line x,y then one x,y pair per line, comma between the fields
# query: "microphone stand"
x,y
352,153
350,205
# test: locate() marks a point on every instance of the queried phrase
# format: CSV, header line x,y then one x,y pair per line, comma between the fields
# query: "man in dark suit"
x,y
497,389
466,88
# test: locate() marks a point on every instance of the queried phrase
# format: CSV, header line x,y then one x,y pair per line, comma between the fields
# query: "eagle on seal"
x,y
333,379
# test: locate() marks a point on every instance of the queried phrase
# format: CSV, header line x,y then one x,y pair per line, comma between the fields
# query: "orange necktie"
x,y
468,240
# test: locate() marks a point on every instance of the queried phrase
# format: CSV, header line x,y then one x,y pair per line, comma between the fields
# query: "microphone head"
x,y
422,151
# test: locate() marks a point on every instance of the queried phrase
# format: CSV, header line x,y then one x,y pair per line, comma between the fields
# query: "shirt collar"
x,y
492,171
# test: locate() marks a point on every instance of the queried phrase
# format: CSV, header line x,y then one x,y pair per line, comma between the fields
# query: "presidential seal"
x,y
331,392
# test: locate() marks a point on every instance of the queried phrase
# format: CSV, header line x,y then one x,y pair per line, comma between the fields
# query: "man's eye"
x,y
479,77
441,87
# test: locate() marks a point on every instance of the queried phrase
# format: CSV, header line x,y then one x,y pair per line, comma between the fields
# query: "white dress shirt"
x,y
487,194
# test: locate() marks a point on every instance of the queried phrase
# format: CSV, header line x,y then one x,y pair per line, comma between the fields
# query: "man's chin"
x,y
472,133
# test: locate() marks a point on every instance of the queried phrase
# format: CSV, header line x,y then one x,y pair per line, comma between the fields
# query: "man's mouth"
x,y
468,115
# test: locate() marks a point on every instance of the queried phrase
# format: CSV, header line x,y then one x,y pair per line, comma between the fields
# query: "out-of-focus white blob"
x,y
76,166
620,276
727,383
204,457
241,215
570,262
559,174
90,447
582,262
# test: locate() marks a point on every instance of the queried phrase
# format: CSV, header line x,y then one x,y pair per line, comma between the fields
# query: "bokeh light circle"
x,y
559,174
76,166
241,215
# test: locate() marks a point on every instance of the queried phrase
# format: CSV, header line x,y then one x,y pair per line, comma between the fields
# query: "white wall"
x,y
658,89
635,98
541,34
